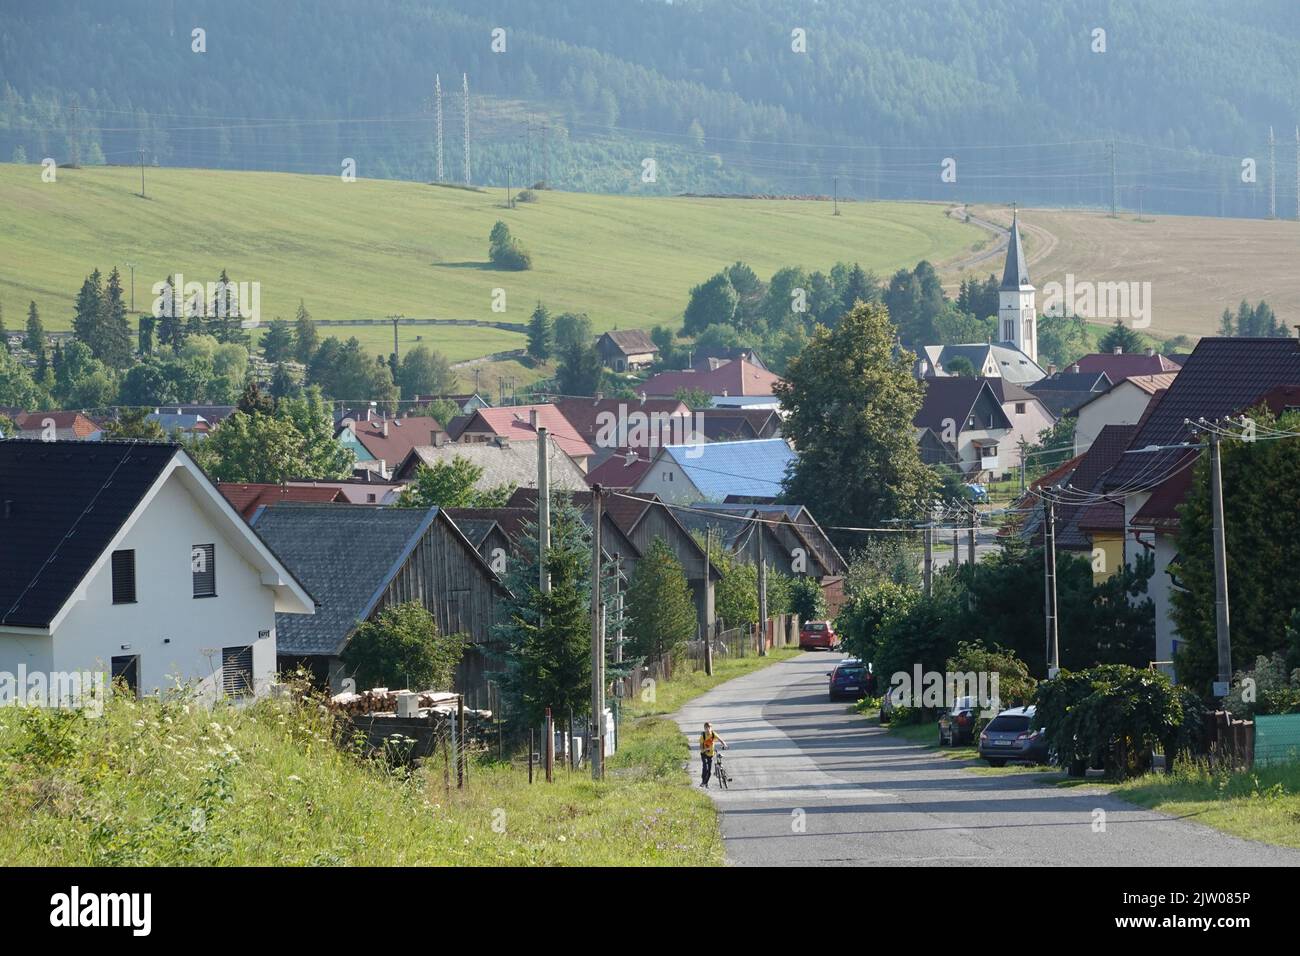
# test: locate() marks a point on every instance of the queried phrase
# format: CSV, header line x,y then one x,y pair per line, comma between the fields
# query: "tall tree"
x,y
580,371
277,342
113,342
849,400
660,612
541,337
306,338
425,372
1122,337
88,310
34,339
712,302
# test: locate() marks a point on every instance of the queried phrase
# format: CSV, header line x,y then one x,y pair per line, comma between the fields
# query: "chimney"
x,y
1119,350
433,436
532,418
1051,368
383,428
440,439
1151,351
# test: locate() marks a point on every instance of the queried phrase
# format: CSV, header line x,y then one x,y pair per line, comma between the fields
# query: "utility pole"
x,y
1272,175
437,110
1111,146
1049,580
928,573
142,194
1022,466
1221,631
708,567
837,196
131,266
956,547
597,643
509,203
762,592
1297,172
396,355
543,509
465,81
970,537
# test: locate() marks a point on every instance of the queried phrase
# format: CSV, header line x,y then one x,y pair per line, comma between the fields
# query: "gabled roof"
x,y
954,397
1012,364
346,555
1064,392
1093,465
622,470
631,341
511,521
1152,383
750,468
511,464
80,425
69,501
403,434
1121,365
247,498
1015,273
737,377
590,417
1222,377
515,423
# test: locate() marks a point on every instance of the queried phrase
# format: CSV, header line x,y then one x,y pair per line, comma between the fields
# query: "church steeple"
x,y
1017,317
1016,272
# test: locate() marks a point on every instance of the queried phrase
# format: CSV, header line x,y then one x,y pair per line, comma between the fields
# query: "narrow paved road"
x,y
817,785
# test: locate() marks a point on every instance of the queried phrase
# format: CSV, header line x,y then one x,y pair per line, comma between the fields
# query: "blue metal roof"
x,y
719,469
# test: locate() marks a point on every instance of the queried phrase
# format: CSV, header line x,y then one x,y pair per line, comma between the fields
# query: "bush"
x,y
807,599
1273,689
1115,715
401,646
526,195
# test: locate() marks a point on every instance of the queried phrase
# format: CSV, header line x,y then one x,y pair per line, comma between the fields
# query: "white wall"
x,y
1122,405
175,635
1161,588
1027,426
666,479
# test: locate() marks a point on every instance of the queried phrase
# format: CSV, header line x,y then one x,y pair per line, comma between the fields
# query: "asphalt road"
x,y
815,784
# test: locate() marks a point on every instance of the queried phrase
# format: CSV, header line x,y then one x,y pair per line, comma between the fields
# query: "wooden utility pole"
x,y
1221,630
462,739
708,638
928,568
970,537
762,591
550,746
1049,587
142,194
597,643
543,509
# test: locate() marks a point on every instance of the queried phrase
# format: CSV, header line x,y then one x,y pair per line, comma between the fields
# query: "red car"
x,y
815,634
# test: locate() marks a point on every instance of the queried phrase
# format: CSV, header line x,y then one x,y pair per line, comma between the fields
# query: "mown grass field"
x,y
170,784
372,248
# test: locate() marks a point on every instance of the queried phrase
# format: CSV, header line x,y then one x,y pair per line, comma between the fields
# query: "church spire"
x,y
1016,272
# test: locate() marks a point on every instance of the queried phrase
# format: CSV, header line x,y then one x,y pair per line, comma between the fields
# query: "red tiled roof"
x,y
735,378
81,425
616,472
403,435
1153,383
589,416
514,422
247,498
1125,365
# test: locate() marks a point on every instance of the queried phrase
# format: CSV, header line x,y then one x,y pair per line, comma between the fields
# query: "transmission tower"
x,y
437,107
465,83
1272,175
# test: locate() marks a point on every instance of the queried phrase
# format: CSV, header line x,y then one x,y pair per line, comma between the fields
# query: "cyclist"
x,y
708,744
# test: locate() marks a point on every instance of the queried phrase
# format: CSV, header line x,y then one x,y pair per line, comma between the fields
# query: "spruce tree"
x,y
114,348
87,311
306,339
661,614
541,336
34,339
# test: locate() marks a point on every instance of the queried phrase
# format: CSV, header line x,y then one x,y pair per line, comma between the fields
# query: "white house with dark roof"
x,y
122,557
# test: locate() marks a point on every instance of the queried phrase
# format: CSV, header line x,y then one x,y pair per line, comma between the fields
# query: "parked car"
x,y
977,493
850,680
814,634
957,725
1014,734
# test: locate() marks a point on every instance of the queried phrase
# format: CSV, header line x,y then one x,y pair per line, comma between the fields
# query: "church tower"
x,y
1017,317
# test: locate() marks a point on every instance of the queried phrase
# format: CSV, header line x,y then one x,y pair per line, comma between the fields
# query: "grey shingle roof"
x,y
1016,271
344,555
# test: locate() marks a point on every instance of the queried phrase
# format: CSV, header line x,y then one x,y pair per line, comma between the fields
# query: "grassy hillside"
x,y
367,249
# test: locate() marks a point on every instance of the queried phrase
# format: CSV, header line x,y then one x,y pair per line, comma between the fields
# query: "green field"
x,y
373,248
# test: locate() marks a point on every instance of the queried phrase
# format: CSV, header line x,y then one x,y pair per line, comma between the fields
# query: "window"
x,y
124,577
970,422
127,669
237,671
203,569
370,498
1008,330
1020,408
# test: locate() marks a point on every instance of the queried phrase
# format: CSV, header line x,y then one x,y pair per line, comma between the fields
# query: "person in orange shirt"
x,y
708,744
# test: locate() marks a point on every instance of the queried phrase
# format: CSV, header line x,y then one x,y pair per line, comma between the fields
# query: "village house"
x,y
1122,404
969,421
712,471
247,498
619,425
1063,392
519,423
358,560
123,557
57,426
626,349
502,462
380,443
735,378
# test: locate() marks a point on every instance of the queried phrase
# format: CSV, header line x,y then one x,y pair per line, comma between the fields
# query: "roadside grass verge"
x,y
670,695
1261,804
927,735
168,783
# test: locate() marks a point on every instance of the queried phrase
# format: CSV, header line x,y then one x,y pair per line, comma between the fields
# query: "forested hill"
x,y
1012,90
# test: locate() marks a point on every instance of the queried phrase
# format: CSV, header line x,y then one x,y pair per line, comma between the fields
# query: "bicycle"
x,y
720,772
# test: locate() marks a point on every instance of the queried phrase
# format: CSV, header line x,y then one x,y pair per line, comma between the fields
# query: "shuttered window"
x,y
237,671
123,577
203,566
127,669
